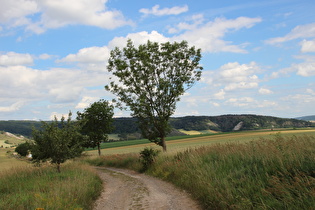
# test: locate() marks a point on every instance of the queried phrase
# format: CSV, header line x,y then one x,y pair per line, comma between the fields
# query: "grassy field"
x,y
24,186
7,162
228,171
175,144
246,170
12,141
76,187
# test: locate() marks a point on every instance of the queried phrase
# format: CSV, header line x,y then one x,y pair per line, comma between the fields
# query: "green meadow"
x,y
238,170
43,187
179,143
243,170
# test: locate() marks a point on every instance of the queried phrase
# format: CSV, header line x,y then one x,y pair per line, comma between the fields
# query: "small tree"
x,y
96,122
151,79
23,149
57,142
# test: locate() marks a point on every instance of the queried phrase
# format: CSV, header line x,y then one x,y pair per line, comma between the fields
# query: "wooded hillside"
x,y
222,123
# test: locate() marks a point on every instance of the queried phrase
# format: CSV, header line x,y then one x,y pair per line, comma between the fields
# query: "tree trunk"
x,y
163,144
99,149
58,167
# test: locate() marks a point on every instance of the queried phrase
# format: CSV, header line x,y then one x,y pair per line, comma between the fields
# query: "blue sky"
x,y
258,56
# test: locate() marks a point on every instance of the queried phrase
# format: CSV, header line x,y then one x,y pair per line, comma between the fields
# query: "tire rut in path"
x,y
125,189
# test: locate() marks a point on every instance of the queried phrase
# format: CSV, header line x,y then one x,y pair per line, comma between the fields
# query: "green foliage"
x,y
31,188
96,123
147,157
23,149
57,142
152,77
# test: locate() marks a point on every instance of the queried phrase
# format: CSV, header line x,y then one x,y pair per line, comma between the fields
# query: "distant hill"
x,y
227,123
224,123
307,118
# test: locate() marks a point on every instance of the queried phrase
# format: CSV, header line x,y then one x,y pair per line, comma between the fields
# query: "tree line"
x,y
224,123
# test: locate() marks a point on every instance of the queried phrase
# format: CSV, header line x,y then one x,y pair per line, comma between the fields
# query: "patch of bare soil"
x,y
125,189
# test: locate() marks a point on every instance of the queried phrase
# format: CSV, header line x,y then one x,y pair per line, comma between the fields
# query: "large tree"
x,y
96,122
150,79
56,142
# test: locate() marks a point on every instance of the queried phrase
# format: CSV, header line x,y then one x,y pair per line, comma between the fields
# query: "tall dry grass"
x,y
76,187
262,174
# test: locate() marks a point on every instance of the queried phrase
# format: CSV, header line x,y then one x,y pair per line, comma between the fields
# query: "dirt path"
x,y
125,189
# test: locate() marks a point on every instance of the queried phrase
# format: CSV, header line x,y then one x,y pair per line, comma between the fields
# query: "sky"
x,y
258,56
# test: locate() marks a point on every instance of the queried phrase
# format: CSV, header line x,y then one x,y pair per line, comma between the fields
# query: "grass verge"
x,y
76,187
265,174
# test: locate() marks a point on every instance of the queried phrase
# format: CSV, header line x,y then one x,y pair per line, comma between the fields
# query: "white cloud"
x,y
301,31
54,115
307,46
305,69
155,10
241,85
310,91
92,58
86,101
249,102
88,55
240,102
209,36
281,73
65,94
300,99
220,95
15,12
233,76
44,56
266,103
264,91
14,59
195,19
53,85
59,13
14,107
138,38
215,104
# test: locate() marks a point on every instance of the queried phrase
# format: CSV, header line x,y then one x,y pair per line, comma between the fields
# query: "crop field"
x,y
175,144
193,132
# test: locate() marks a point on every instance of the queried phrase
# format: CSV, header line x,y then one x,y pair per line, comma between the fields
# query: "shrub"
x,y
147,157
23,149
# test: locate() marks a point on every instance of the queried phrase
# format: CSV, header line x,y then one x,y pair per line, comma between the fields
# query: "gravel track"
x,y
125,189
